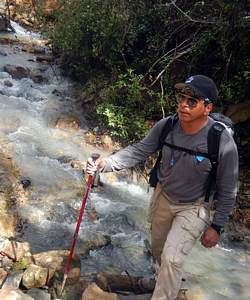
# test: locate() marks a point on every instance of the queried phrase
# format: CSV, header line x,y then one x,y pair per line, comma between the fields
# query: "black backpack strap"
x,y
171,121
189,151
213,142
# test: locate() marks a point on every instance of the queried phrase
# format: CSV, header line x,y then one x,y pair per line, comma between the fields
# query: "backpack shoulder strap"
x,y
169,125
213,143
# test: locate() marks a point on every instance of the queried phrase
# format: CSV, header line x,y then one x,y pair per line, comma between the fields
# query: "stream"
x,y
43,152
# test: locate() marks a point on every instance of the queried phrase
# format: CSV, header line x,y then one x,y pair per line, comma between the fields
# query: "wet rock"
x,y
68,122
13,294
35,276
17,72
77,164
45,58
13,280
64,159
4,23
3,53
35,49
93,292
39,294
8,83
37,77
25,183
56,92
3,275
93,241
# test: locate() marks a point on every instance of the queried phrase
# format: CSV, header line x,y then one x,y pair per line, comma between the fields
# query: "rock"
x,y
6,263
52,259
25,183
51,6
4,23
136,297
13,294
239,112
36,49
3,275
17,72
92,241
93,292
74,274
35,276
68,122
77,164
44,58
8,83
7,225
14,250
39,294
3,53
37,77
13,280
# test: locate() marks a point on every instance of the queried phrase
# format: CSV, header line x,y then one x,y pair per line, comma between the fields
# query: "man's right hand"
x,y
92,166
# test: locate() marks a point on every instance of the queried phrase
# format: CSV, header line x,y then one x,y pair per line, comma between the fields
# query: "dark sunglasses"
x,y
191,101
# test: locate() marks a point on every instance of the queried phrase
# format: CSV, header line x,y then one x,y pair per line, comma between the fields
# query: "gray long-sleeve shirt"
x,y
181,175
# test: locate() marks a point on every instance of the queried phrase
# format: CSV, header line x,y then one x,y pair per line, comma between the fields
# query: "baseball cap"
x,y
201,85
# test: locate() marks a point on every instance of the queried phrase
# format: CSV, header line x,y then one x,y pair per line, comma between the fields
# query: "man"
x,y
178,212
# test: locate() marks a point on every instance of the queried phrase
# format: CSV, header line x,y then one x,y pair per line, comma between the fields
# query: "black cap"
x,y
202,86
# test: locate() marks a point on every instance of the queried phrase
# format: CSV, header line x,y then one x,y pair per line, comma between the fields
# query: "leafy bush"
x,y
127,103
164,42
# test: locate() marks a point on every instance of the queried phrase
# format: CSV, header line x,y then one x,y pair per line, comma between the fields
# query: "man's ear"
x,y
208,108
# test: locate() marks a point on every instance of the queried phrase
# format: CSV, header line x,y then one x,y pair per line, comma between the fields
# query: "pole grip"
x,y
95,180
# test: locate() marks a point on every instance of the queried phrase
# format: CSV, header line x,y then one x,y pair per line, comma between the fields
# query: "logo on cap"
x,y
190,79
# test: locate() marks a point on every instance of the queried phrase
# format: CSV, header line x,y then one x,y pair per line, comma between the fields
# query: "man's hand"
x,y
93,166
210,238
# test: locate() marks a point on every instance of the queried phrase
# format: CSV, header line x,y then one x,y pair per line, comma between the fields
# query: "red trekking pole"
x,y
91,179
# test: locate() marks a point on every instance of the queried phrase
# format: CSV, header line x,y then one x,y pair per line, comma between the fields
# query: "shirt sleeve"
x,y
226,179
136,153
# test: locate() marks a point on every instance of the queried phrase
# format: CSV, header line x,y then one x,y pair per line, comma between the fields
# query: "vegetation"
x,y
142,47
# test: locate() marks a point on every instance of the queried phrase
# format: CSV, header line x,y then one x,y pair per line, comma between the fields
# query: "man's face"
x,y
191,107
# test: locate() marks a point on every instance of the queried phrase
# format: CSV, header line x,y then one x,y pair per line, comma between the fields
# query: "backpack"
x,y
213,142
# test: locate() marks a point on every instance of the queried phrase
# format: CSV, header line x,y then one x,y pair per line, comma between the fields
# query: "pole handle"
x,y
95,180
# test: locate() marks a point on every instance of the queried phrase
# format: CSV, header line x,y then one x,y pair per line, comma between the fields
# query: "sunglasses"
x,y
191,101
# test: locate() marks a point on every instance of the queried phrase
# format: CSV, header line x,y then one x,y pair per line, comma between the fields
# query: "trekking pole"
x,y
91,179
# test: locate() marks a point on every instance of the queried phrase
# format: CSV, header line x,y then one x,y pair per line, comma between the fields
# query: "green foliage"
x,y
92,34
127,104
22,264
163,41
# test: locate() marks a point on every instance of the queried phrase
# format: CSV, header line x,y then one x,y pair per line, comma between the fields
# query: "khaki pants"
x,y
174,230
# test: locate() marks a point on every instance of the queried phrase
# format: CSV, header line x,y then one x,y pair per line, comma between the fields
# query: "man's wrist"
x,y
217,228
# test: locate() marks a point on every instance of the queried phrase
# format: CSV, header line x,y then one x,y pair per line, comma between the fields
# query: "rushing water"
x,y
43,154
